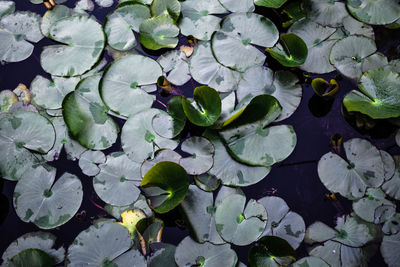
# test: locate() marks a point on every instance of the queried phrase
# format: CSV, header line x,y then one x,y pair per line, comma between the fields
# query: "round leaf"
x,y
158,32
372,12
291,51
89,160
201,151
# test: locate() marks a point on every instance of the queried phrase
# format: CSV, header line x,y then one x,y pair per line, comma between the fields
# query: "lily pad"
x,y
31,257
163,254
282,222
158,32
139,140
149,231
379,97
86,116
170,125
205,108
392,186
130,219
6,7
348,54
291,51
47,204
139,204
397,138
118,180
239,223
51,16
123,82
372,12
62,138
7,99
238,6
207,182
171,8
189,253
89,160
363,168
390,249
176,67
121,22
35,240
201,153
165,185
326,12
160,155
79,51
270,3
323,88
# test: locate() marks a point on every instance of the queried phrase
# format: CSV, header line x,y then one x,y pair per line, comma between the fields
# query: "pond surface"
x,y
295,179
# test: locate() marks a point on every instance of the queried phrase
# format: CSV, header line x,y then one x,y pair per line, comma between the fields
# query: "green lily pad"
x,y
158,32
363,168
318,43
189,253
238,6
89,160
47,204
372,12
271,251
84,6
160,155
139,140
170,125
291,51
323,88
7,99
149,231
35,240
176,67
31,257
21,133
282,222
270,3
348,54
205,69
201,153
326,12
118,180
390,249
79,51
205,108
124,91
121,22
392,186
86,116
100,245
171,8
389,165
230,171
283,85
198,18
166,185
379,97
239,223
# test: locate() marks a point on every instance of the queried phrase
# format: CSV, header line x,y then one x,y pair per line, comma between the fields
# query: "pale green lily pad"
x,y
238,6
99,245
121,22
123,91
84,5
104,3
389,165
53,15
20,133
379,97
139,141
350,178
373,12
230,171
139,204
199,209
283,85
7,99
392,186
310,261
62,138
318,43
348,54
73,149
160,155
158,32
86,116
239,223
198,19
207,182
171,8
50,94
89,160
6,7
36,199
189,253
390,249
374,61
118,180
352,26
205,69
34,240
326,12
201,153
175,66
282,222
79,51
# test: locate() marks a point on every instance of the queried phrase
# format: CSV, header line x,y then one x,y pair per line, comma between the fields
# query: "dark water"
x,y
295,180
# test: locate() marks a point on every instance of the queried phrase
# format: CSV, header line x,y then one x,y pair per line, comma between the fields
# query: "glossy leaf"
x,y
291,51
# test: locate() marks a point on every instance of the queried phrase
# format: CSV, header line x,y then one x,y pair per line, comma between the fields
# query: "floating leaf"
x,y
7,99
379,97
122,87
372,12
310,261
89,160
175,63
79,51
130,218
392,186
139,141
171,8
84,5
238,223
398,137
158,32
6,7
205,108
118,179
62,138
170,125
189,253
31,257
366,207
149,231
160,155
207,182
166,185
270,3
201,153
390,249
238,6
163,254
47,204
323,88
291,51
282,222
104,3
53,15
326,12
139,204
35,240
86,116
